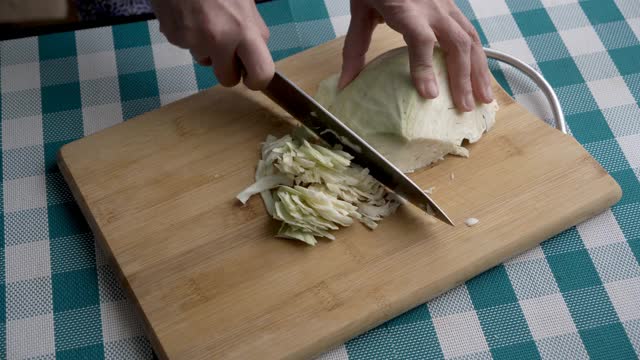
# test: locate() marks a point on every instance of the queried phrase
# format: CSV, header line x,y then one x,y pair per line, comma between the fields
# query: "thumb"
x,y
357,41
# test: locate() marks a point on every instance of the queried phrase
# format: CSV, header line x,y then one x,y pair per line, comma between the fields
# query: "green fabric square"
x,y
72,253
64,125
630,187
417,314
57,189
51,156
589,127
131,35
135,59
59,71
138,85
66,220
491,288
481,35
626,59
590,307
607,342
133,108
416,341
561,72
599,12
204,77
522,351
308,10
57,45
519,5
276,12
61,97
534,22
573,270
504,325
374,344
77,328
75,290
87,352
634,244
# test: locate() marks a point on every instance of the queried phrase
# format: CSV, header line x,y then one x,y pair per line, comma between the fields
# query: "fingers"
x,y
456,44
257,61
225,64
420,44
480,75
357,41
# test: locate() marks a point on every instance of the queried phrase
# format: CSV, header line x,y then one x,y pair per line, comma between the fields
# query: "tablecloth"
x,y
575,296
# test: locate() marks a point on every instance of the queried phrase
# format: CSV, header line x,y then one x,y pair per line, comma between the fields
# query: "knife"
x,y
315,117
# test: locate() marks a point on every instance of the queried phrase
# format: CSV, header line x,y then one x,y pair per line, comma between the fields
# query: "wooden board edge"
x,y
104,246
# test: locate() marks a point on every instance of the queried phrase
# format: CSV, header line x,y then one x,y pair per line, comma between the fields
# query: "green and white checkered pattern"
x,y
575,296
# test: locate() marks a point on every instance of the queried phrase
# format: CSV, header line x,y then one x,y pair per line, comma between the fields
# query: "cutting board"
x,y
210,279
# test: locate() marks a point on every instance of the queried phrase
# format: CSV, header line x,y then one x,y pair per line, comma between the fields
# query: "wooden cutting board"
x,y
210,279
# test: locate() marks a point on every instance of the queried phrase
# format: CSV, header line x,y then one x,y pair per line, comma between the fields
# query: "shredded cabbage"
x,y
314,190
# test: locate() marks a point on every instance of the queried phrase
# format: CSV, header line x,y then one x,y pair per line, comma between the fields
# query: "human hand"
x,y
218,33
422,23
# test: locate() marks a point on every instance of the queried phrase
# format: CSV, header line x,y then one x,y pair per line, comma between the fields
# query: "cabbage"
x,y
382,106
314,190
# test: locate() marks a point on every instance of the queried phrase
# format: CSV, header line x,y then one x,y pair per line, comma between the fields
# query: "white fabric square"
x,y
176,80
489,8
25,193
537,103
615,262
568,346
460,334
618,119
515,47
337,353
28,261
454,301
97,65
582,41
550,3
169,98
119,321
532,279
20,77
596,66
337,8
629,8
630,146
154,32
568,16
341,24
94,40
600,230
633,332
166,55
634,24
500,28
625,297
100,117
535,253
547,316
30,337
611,92
21,132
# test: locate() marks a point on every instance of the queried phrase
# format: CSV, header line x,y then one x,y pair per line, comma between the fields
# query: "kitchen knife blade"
x,y
326,126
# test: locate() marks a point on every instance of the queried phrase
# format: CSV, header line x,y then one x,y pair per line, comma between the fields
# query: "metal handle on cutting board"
x,y
538,79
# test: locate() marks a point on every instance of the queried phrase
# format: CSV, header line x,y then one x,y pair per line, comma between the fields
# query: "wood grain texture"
x,y
212,281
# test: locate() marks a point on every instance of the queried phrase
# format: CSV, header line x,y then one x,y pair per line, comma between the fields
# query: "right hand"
x,y
218,33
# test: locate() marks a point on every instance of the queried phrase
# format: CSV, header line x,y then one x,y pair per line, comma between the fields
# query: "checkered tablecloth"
x,y
575,296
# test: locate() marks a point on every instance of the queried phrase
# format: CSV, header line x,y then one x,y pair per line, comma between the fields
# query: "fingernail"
x,y
488,93
432,89
467,102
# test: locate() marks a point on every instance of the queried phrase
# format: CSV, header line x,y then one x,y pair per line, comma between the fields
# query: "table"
x,y
575,296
